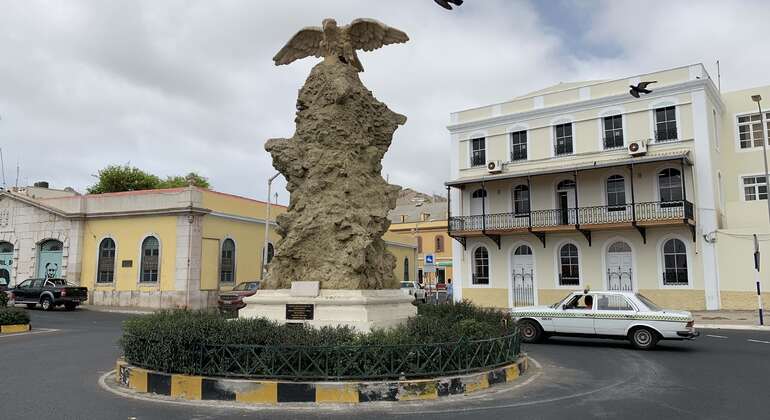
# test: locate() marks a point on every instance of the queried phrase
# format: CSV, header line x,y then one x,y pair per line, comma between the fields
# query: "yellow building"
x,y
155,248
583,185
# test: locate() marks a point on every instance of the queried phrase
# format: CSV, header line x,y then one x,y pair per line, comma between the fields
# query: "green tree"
x,y
182,181
118,178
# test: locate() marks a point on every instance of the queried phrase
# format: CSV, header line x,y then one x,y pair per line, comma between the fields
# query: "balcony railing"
x,y
667,134
594,215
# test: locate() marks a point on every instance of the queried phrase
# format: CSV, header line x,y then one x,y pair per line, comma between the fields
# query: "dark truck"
x,y
49,293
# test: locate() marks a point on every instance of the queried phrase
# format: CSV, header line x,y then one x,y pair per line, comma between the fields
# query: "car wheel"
x,y
70,306
530,331
643,338
47,304
31,305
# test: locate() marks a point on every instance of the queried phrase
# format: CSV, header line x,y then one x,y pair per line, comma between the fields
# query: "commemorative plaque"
x,y
299,311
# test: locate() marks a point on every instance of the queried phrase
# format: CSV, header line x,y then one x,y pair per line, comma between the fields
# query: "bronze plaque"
x,y
299,311
127,263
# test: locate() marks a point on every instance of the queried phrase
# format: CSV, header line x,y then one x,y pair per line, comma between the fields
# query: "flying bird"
x,y
446,3
339,42
641,87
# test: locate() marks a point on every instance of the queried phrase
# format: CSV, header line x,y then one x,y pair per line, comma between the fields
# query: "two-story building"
x,y
584,185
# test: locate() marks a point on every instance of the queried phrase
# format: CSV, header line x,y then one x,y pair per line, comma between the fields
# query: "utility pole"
x,y
757,279
758,99
267,223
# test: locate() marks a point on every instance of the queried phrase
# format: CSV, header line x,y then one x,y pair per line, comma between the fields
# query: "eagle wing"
x,y
643,85
303,44
369,34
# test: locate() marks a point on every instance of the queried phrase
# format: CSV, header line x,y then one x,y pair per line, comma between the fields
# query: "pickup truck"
x,y
49,293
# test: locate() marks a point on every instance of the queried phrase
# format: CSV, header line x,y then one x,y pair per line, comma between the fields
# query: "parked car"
x,y
606,314
411,288
49,293
233,300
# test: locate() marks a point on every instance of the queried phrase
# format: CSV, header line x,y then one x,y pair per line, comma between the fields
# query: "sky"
x,y
174,86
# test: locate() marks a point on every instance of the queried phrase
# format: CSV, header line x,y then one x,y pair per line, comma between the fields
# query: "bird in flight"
x,y
641,87
446,3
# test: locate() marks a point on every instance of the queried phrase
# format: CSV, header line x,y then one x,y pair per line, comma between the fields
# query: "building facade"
x,y
154,249
583,185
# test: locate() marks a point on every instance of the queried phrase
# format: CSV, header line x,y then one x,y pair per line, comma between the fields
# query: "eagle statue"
x,y
335,42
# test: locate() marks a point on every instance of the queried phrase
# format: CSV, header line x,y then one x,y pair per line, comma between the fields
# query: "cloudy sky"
x,y
173,86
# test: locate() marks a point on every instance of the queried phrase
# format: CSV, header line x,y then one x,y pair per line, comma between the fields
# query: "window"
x,y
674,263
518,146
480,266
563,136
406,269
478,152
270,252
419,244
403,218
51,245
569,265
227,261
439,243
616,193
613,132
754,188
480,193
612,303
523,250
521,200
6,247
750,130
665,124
670,187
150,259
106,264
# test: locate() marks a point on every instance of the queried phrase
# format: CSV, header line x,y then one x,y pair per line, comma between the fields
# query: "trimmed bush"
x,y
3,300
13,316
205,342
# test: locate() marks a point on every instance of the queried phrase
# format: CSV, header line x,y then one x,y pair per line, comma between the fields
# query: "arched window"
x,y
439,243
569,265
419,244
567,184
674,263
481,266
150,259
6,247
51,245
521,200
670,187
616,193
227,262
480,193
406,269
523,250
106,264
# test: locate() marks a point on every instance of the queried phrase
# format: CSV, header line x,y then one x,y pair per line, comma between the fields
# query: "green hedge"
x,y
3,299
12,316
191,342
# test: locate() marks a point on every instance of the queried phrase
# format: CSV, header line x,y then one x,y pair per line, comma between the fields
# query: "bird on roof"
x,y
446,3
641,87
339,42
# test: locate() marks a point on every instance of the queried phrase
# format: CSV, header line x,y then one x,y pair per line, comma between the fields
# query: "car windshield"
x,y
246,286
58,282
556,305
406,284
648,303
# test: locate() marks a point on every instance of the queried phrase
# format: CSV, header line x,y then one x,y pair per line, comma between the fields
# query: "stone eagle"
x,y
339,42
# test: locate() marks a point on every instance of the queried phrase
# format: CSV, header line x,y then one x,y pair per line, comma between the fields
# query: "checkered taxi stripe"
x,y
593,315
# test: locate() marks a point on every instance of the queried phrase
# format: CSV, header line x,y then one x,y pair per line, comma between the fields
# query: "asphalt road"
x,y
722,375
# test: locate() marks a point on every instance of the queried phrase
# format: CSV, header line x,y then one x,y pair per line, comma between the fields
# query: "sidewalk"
x,y
118,309
730,320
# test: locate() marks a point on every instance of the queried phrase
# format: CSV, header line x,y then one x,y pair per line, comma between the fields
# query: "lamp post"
x,y
267,224
758,99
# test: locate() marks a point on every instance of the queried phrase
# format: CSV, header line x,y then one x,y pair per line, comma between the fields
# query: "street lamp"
x,y
267,224
758,99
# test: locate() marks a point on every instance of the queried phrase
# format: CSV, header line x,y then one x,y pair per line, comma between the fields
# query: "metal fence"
x,y
324,362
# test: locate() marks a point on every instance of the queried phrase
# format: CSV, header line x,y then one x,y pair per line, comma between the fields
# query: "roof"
x,y
561,86
413,212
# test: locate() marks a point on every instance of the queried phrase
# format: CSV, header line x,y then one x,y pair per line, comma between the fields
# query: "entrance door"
x,y
619,273
522,277
49,259
565,200
6,263
477,209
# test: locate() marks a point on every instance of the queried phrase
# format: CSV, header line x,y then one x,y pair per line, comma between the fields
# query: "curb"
x,y
732,327
94,308
197,388
15,328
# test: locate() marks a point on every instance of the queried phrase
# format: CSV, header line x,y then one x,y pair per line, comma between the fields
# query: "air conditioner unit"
x,y
495,166
637,148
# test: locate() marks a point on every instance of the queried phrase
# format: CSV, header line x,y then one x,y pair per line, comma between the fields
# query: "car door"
x,y
20,292
613,315
575,316
33,293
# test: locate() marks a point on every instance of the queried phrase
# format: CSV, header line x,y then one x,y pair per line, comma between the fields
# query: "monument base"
x,y
363,310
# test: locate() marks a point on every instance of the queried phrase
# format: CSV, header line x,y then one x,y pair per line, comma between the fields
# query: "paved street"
x,y
724,374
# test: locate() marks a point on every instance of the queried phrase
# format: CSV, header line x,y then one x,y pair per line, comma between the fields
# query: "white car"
x,y
605,314
413,289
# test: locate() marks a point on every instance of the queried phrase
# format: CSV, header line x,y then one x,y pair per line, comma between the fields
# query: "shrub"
x,y
3,300
13,316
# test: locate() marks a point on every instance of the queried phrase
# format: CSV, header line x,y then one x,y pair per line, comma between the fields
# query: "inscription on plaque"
x,y
299,311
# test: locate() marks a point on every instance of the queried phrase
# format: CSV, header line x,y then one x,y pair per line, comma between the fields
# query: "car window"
x,y
37,283
253,286
580,302
647,302
25,284
57,282
406,285
613,303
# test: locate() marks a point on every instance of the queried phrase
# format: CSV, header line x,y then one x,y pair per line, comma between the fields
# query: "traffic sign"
x,y
429,259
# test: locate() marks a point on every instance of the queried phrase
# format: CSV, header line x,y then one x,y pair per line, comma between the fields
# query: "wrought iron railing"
x,y
592,215
324,362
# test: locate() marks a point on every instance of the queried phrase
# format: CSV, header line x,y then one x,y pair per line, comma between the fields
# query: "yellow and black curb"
x,y
275,392
13,329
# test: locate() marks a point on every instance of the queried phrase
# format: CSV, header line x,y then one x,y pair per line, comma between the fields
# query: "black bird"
x,y
640,88
445,3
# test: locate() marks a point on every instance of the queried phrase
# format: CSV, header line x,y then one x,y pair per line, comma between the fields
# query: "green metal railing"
x,y
323,362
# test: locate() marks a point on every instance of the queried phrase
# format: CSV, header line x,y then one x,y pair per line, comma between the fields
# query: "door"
x,y
6,263
613,315
477,210
565,201
564,207
619,272
49,259
522,276
20,292
576,316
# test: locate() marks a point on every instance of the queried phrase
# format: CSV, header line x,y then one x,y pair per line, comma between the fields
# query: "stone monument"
x,y
331,266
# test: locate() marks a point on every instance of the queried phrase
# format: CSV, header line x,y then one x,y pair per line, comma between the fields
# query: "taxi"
x,y
605,314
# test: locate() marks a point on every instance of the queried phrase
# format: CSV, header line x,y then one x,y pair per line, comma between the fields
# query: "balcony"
x,y
637,215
